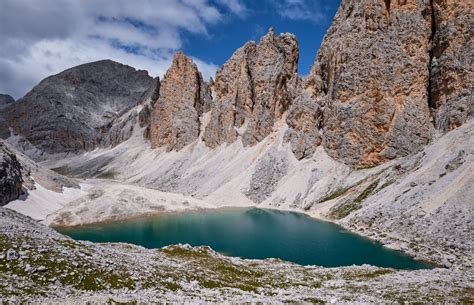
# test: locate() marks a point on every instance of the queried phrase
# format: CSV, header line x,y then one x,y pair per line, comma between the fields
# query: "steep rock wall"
x,y
371,76
251,90
183,97
10,176
452,63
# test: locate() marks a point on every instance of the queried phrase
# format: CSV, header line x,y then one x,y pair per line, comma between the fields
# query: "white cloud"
x,y
302,10
235,6
44,37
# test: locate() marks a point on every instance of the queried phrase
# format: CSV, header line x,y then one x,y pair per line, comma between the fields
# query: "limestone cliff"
x,y
387,76
183,97
452,74
251,90
383,69
371,76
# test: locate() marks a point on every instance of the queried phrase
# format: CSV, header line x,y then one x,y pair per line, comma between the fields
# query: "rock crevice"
x,y
451,68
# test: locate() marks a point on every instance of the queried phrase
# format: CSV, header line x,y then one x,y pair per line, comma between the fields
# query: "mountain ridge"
x,y
362,117
378,138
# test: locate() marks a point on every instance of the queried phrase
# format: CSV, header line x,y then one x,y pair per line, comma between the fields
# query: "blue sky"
x,y
57,34
225,38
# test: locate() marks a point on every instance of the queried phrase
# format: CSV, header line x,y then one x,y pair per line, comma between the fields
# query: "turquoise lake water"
x,y
252,233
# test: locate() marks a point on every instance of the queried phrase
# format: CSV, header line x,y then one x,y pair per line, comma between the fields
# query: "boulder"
x,y
10,176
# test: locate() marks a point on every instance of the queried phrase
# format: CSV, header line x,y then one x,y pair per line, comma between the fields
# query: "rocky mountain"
x,y
65,112
252,90
387,75
370,96
378,138
5,99
183,98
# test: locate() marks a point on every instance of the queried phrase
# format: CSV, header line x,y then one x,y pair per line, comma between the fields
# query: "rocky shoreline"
x,y
378,138
40,265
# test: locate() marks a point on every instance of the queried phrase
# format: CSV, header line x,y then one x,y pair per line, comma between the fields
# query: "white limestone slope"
x,y
110,201
424,199
41,202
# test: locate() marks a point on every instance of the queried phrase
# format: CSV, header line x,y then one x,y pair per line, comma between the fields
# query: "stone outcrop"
x,y
121,128
304,121
251,90
183,98
5,99
371,77
451,63
66,112
10,176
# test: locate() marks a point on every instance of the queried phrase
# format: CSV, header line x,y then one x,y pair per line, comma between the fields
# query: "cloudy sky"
x,y
43,37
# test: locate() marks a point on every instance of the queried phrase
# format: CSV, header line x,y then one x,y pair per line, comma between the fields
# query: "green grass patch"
x,y
367,275
340,192
346,208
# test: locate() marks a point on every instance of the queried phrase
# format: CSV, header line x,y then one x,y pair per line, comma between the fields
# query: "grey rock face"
x,y
10,176
118,130
268,172
372,74
121,128
251,89
5,99
65,112
148,101
451,64
304,120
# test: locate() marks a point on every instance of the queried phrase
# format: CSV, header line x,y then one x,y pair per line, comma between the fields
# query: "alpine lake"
x,y
251,233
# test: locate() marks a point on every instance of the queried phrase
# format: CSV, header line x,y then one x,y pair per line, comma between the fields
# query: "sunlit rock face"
x,y
183,97
252,90
371,77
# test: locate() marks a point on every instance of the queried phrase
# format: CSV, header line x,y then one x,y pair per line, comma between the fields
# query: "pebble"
x,y
28,268
11,255
41,269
